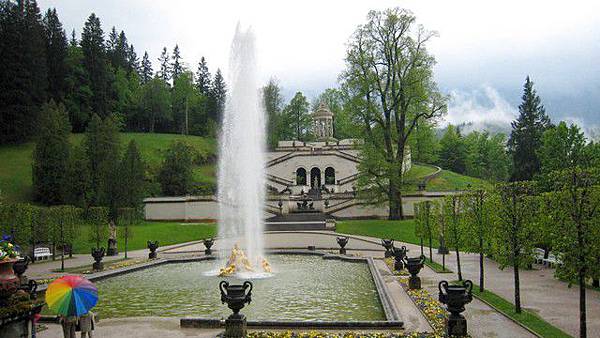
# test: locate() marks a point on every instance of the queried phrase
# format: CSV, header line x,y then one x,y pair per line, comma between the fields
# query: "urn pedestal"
x,y
414,265
236,298
152,246
98,254
208,243
455,297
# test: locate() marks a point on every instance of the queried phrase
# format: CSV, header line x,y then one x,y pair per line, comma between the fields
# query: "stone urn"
x,y
388,244
9,282
152,246
236,298
455,297
414,265
399,254
342,241
208,243
19,267
98,254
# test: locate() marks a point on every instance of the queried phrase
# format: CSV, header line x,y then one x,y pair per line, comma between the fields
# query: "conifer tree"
x,y
79,94
176,66
51,155
133,63
132,177
203,80
165,67
56,53
218,95
146,69
78,187
526,136
96,65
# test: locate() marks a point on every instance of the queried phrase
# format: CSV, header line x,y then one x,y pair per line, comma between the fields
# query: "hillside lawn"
x,y
16,160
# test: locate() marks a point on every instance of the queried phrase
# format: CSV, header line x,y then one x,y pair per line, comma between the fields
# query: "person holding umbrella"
x,y
71,297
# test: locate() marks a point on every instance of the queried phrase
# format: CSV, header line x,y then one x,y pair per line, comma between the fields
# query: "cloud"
x,y
482,108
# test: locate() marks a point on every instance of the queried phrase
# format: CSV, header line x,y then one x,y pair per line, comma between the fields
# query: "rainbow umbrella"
x,y
71,296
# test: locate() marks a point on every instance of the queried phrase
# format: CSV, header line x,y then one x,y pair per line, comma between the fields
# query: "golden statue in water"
x,y
239,262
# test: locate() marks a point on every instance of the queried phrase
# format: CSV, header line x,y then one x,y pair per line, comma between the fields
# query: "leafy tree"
x,y
453,151
128,217
79,95
425,216
344,126
454,220
177,67
273,102
155,104
486,156
514,233
165,72
203,78
297,110
132,176
477,227
218,95
423,143
51,155
184,93
56,55
78,187
96,64
175,174
62,221
526,136
98,219
146,71
389,78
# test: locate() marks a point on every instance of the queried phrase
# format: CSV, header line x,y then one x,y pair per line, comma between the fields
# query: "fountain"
x,y
241,177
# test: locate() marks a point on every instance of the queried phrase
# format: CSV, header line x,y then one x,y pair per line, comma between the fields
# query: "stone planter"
x,y
414,266
152,246
399,254
388,244
9,281
236,298
342,241
208,243
455,297
98,254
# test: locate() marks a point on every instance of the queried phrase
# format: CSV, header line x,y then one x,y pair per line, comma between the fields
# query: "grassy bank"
x,y
401,231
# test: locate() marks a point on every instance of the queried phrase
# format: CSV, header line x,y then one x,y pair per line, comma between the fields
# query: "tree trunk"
x,y
517,288
582,312
458,264
430,250
481,279
421,245
395,205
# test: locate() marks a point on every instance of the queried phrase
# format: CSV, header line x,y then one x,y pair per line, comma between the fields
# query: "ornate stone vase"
x,y
399,254
388,244
21,265
208,243
98,254
342,241
236,298
455,297
414,265
9,282
152,246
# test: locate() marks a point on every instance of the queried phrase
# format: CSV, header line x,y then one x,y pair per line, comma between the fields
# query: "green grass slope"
x,y
15,160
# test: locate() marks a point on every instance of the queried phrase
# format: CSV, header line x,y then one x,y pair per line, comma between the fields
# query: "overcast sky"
x,y
484,50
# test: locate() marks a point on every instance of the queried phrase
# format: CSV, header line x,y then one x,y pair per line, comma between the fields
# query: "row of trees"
x,y
60,226
559,211
96,75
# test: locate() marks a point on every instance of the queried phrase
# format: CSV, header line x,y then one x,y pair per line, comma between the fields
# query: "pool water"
x,y
302,288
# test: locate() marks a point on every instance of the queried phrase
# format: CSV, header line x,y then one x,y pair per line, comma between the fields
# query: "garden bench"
x,y
551,261
41,253
539,255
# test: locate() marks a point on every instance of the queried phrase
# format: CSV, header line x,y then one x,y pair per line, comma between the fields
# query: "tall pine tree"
x,y
526,136
218,95
56,53
165,67
132,177
146,69
79,94
96,65
176,66
203,80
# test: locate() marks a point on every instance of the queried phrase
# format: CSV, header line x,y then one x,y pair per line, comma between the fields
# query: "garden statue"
x,y
152,246
455,297
399,255
388,244
414,265
112,239
98,254
342,241
236,298
208,243
238,262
